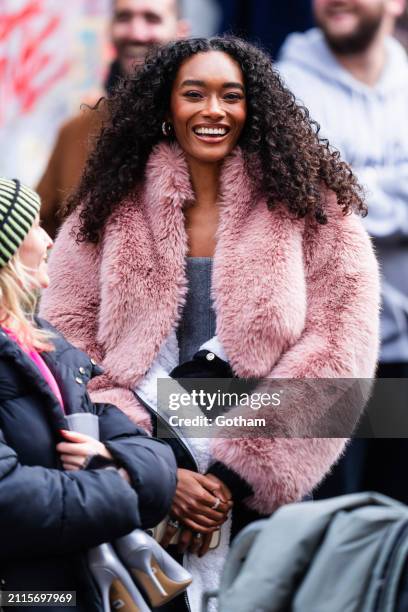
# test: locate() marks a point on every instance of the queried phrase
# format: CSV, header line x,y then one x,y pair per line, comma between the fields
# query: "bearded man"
x,y
352,75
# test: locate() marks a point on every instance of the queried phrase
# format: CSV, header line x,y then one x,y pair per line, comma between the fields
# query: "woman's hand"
x,y
219,488
188,540
75,452
196,508
194,504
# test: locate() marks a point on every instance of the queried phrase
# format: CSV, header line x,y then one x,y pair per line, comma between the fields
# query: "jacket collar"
x,y
22,362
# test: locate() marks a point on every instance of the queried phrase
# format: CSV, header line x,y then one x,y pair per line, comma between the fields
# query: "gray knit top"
x,y
198,322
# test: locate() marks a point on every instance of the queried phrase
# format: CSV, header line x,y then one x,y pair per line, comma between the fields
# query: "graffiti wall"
x,y
53,55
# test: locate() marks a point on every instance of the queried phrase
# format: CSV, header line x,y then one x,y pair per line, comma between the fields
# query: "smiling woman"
x,y
207,115
208,107
216,237
278,139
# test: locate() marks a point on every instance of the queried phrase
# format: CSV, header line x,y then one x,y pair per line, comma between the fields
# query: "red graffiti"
x,y
11,21
31,70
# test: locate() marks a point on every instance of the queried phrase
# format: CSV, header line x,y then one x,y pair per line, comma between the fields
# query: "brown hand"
x,y
196,545
219,488
194,504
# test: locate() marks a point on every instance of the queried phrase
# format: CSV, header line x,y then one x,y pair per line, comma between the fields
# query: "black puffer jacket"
x,y
49,517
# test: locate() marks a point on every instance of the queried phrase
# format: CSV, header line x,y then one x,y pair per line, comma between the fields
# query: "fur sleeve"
x,y
340,340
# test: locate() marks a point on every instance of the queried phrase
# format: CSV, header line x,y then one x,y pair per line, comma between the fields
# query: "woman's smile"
x,y
211,134
208,106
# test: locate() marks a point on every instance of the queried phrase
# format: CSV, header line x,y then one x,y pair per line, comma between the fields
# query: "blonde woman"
x,y
51,512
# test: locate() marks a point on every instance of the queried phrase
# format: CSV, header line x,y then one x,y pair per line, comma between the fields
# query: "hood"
x,y
310,52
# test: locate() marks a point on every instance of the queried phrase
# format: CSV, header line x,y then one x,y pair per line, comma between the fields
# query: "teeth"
x,y
211,131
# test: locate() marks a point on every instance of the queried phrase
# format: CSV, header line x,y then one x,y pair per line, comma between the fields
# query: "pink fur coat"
x,y
293,299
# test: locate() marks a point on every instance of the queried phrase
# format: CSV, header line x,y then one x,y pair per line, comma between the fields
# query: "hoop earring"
x,y
167,128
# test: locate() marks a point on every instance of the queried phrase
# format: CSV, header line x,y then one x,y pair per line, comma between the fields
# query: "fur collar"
x,y
258,278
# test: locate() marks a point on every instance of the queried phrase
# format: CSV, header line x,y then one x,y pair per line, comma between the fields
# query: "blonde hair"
x,y
18,299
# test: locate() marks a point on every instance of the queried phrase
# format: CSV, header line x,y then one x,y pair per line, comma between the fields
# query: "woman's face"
x,y
33,253
208,106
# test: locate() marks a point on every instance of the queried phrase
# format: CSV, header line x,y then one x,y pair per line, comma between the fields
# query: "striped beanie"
x,y
19,205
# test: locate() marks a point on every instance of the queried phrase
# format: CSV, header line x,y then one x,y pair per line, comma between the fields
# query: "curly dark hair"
x,y
295,163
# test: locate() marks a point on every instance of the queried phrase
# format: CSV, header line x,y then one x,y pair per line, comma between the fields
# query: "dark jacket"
x,y
264,22
49,517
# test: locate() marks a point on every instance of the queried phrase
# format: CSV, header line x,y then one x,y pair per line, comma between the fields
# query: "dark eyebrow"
x,y
128,14
233,85
122,13
192,82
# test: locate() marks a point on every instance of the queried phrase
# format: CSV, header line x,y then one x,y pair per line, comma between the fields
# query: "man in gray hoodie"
x,y
353,77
